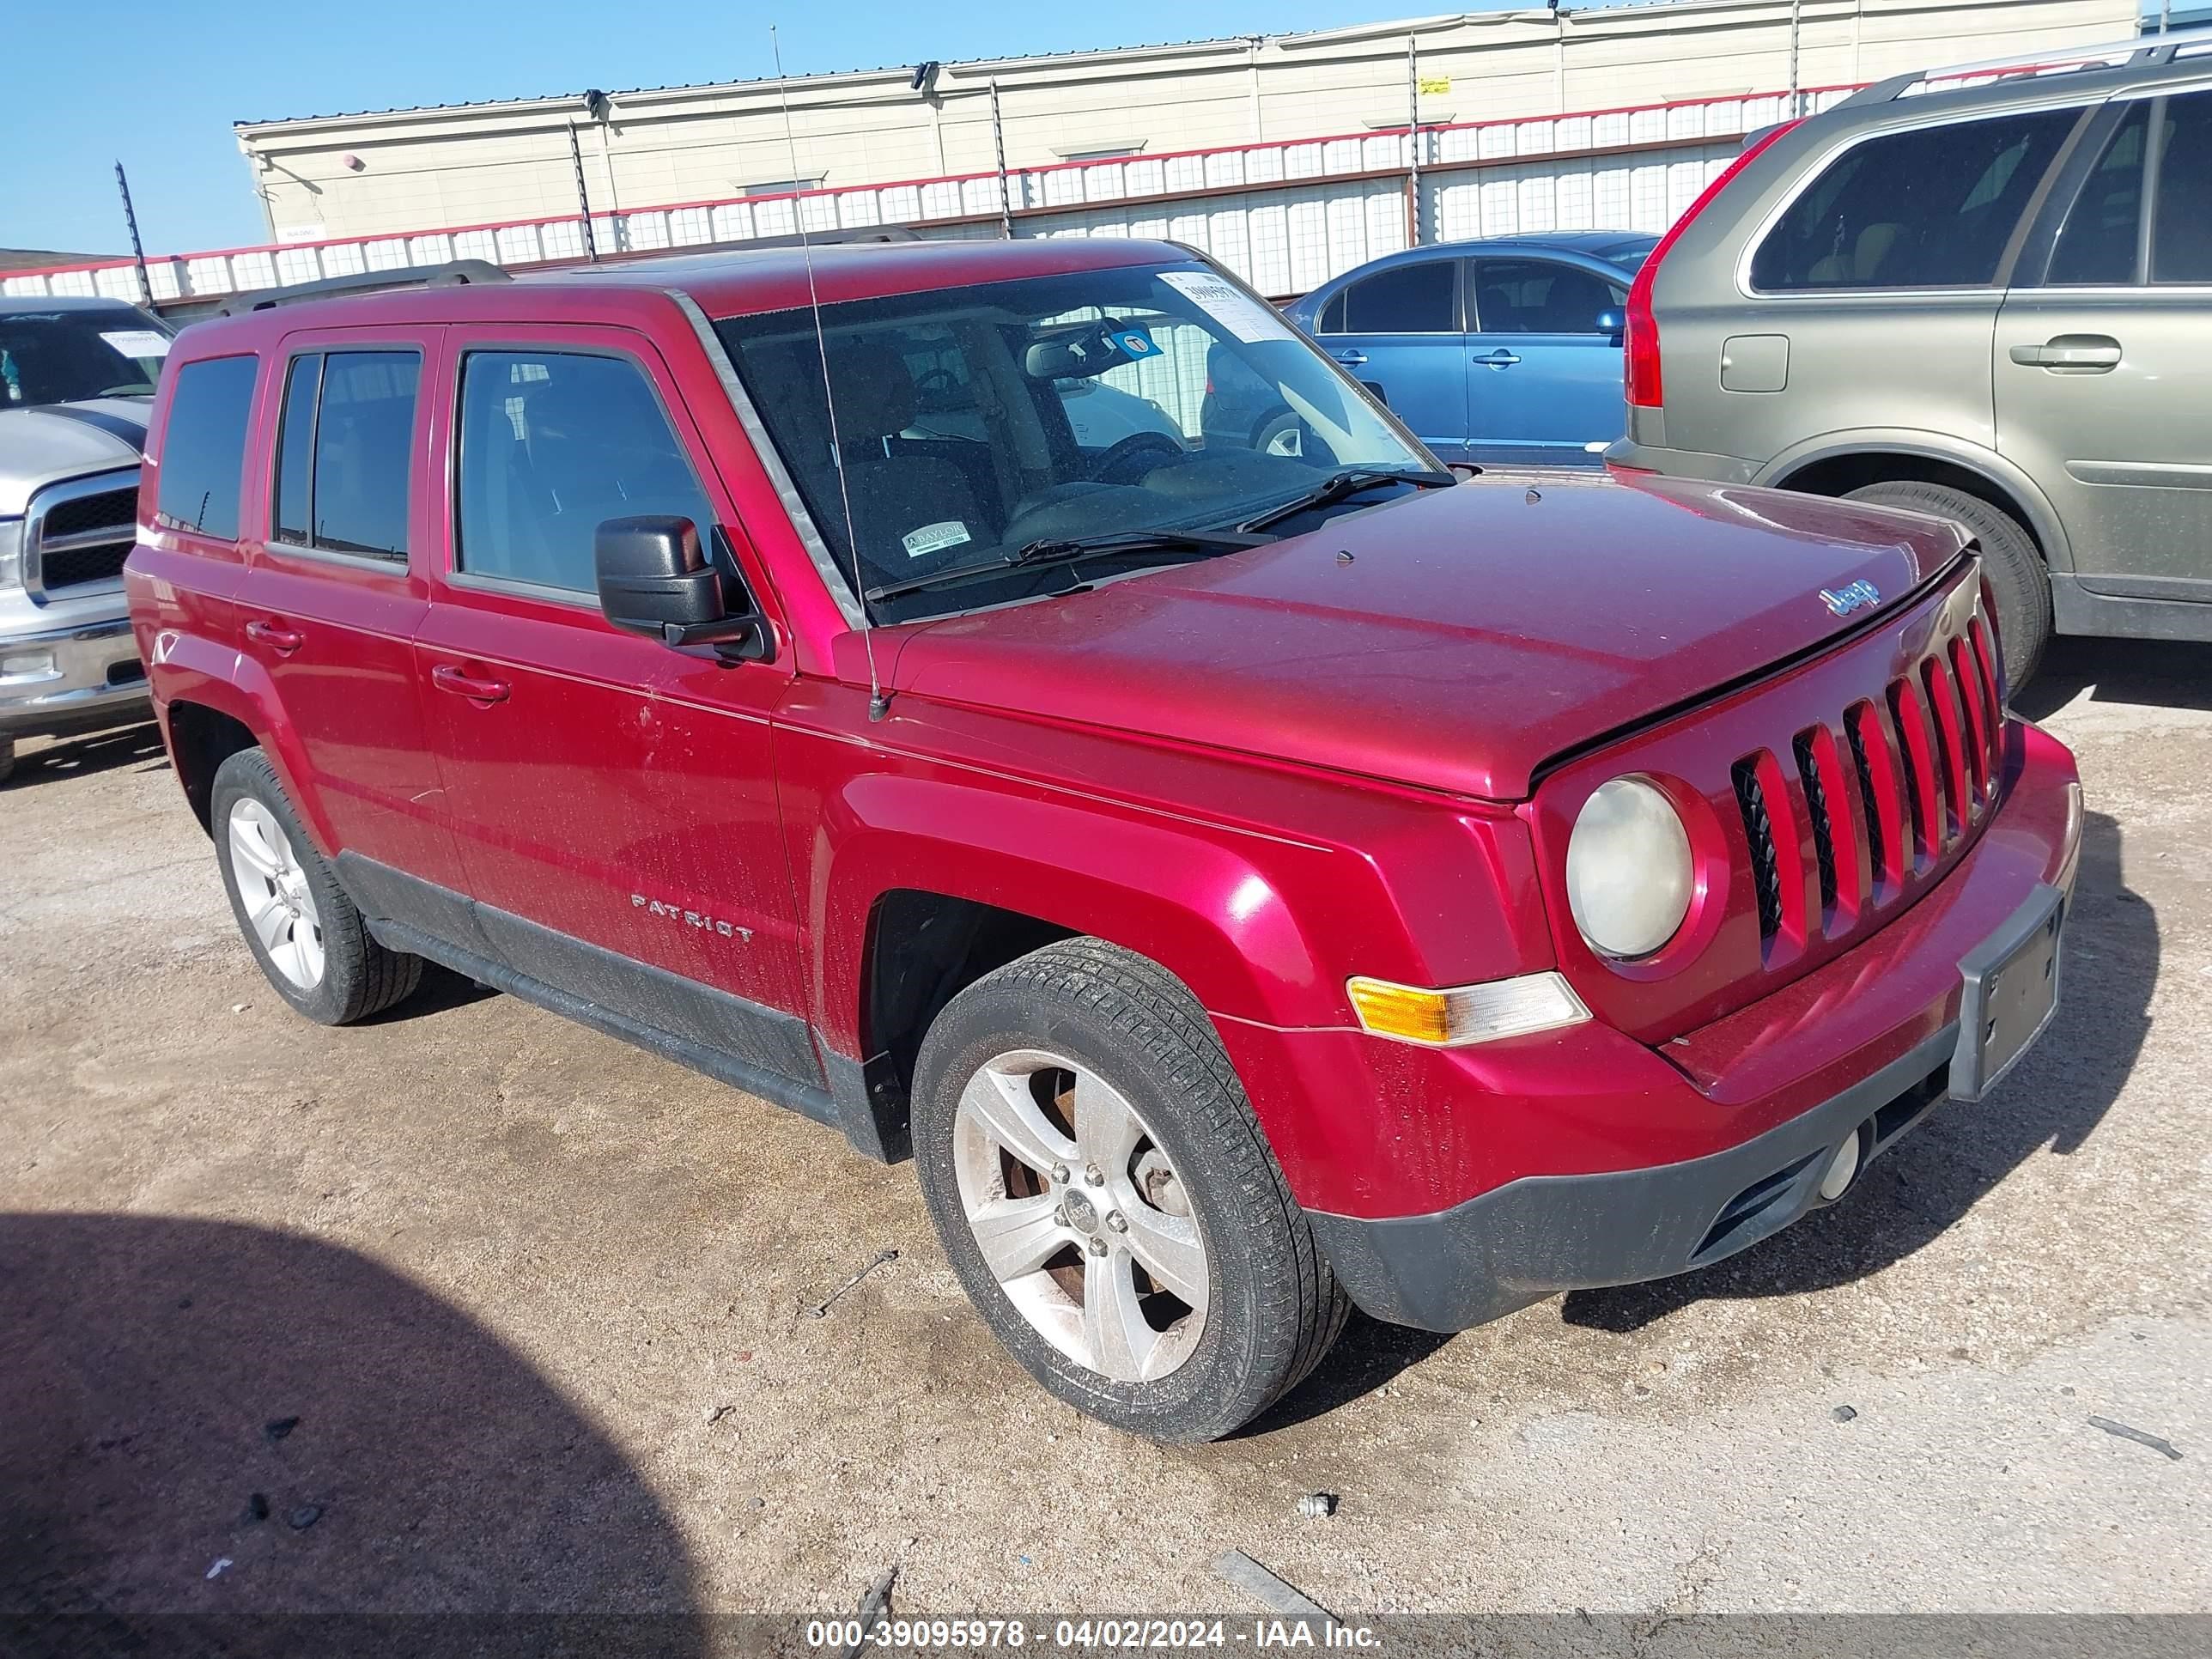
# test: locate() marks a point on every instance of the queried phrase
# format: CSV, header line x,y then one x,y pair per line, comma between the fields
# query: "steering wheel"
x,y
1127,460
932,381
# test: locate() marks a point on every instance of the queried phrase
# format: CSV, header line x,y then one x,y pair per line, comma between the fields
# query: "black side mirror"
x,y
655,578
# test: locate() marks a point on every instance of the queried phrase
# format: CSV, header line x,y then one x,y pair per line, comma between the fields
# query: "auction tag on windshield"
x,y
1228,304
137,342
1135,342
933,537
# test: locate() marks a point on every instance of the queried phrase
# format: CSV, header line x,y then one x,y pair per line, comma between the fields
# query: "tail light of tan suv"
x,y
1646,385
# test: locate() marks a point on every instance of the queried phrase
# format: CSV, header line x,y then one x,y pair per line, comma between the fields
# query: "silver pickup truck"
x,y
76,383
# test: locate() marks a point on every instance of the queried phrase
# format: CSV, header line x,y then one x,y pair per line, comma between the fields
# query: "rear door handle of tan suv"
x,y
446,678
2094,352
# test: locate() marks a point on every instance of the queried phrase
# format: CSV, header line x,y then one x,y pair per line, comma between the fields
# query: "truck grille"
x,y
77,537
1924,761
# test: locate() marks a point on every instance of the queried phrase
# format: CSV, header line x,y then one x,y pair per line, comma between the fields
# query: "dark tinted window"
x,y
2097,244
203,454
364,436
1932,208
1332,317
2181,234
61,356
1535,296
552,445
1405,299
295,442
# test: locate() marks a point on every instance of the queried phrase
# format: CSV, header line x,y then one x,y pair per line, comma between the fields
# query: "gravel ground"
x,y
534,1299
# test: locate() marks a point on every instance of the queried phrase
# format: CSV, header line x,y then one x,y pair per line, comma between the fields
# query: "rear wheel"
x,y
2016,572
7,758
303,930
1097,1178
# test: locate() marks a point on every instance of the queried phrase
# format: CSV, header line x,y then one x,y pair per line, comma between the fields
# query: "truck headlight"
x,y
1629,872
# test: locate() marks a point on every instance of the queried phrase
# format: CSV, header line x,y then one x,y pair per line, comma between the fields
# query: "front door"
x,y
2101,366
1398,333
614,800
1544,347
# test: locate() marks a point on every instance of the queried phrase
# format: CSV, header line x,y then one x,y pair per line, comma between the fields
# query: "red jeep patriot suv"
x,y
1250,879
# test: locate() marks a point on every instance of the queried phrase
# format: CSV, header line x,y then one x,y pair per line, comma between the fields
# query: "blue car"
x,y
1505,350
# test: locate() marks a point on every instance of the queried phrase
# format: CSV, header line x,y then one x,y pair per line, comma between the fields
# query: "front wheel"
x,y
1106,1197
2017,577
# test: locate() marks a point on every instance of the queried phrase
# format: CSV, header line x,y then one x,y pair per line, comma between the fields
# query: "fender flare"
x,y
192,668
1996,469
1183,896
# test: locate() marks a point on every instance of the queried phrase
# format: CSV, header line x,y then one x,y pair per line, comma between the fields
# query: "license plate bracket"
x,y
2010,993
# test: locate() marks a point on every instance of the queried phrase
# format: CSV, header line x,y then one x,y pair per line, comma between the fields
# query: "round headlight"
x,y
1629,873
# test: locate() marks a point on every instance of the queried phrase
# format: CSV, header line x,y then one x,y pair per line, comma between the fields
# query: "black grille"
x,y
1865,769
116,508
1816,805
1765,871
80,565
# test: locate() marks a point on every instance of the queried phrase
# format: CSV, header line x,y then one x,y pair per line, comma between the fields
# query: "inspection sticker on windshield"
x,y
137,342
933,537
1228,304
1135,342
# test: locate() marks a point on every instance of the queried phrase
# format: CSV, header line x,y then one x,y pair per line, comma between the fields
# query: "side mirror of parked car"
x,y
655,578
1614,323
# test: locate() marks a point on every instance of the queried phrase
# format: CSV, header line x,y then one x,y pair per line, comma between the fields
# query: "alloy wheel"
x,y
278,899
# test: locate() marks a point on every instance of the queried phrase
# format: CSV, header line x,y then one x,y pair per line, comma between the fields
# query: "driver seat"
x,y
895,492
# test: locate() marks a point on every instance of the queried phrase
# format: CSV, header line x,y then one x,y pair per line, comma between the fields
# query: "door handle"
x,y
447,677
1500,358
277,637
1350,359
2094,352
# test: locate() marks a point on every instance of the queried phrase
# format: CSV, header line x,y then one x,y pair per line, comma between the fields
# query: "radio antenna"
x,y
878,702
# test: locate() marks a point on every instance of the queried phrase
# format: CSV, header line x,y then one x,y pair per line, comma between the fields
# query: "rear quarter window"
x,y
203,454
1931,208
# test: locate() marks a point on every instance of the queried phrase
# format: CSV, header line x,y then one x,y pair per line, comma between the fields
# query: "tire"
x,y
303,909
1280,434
7,759
1192,1166
2016,572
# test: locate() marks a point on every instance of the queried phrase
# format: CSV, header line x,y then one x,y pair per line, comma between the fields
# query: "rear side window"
x,y
1928,209
1536,296
202,455
345,450
2181,227
1415,298
553,443
2097,244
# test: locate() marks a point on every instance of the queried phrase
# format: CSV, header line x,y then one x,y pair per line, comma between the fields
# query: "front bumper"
x,y
1906,1051
72,679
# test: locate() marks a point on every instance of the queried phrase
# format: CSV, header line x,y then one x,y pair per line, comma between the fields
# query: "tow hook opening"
x,y
1845,1162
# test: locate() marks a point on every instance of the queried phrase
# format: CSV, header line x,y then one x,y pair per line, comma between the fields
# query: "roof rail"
x,y
453,273
2142,51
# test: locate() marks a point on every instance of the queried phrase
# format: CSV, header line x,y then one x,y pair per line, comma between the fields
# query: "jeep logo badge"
x,y
1855,596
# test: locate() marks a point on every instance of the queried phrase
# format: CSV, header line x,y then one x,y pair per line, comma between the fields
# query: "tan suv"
x,y
1984,293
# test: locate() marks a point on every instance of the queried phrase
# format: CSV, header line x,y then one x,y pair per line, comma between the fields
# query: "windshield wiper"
x,y
1068,550
1344,484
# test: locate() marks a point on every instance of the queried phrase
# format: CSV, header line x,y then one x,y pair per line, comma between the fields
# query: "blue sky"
x,y
158,87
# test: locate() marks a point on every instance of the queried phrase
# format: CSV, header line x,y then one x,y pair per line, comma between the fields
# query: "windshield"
x,y
976,422
60,356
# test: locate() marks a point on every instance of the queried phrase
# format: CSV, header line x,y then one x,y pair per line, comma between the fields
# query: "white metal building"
x,y
1288,157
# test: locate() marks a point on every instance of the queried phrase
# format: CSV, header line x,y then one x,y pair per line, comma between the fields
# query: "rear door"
x,y
2103,356
614,800
1400,333
333,533
1545,355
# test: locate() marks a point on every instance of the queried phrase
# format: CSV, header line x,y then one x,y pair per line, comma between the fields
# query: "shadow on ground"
x,y
1940,1171
177,1394
81,756
2161,672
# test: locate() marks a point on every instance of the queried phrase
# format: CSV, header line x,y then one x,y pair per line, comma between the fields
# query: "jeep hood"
x,y
45,443
1472,632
